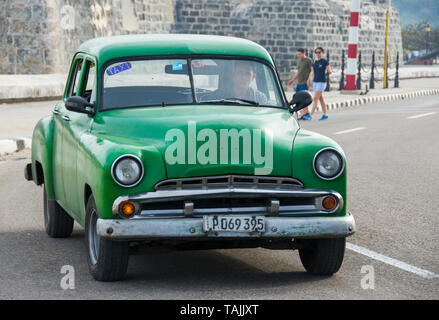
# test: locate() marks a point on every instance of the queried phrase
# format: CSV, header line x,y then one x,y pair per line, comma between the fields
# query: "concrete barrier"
x,y
382,98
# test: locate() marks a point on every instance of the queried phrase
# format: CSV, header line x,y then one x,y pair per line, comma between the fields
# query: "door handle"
x,y
66,118
55,111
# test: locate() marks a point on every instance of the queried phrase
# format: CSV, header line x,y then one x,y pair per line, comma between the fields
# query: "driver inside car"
x,y
243,75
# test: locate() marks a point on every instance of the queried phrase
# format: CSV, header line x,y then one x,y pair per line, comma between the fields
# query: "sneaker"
x,y
307,116
324,117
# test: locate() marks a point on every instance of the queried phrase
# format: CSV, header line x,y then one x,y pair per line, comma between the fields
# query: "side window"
x,y
74,81
89,81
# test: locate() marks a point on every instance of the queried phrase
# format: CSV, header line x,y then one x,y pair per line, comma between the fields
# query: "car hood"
x,y
207,140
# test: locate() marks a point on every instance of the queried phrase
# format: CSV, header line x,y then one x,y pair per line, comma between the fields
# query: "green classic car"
x,y
187,142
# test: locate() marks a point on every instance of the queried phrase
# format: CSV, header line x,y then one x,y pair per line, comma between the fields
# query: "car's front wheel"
x,y
57,222
322,256
107,260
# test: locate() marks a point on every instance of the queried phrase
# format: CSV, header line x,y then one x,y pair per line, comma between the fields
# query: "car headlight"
x,y
127,170
328,164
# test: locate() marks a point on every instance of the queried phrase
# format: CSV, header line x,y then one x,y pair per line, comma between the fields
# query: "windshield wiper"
x,y
245,100
233,101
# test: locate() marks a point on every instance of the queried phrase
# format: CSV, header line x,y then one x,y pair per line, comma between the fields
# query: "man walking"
x,y
304,68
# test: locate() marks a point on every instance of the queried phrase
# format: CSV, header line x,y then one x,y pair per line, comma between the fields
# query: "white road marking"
x,y
393,262
350,130
421,115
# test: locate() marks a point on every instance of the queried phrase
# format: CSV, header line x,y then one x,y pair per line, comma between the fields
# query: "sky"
x,y
415,11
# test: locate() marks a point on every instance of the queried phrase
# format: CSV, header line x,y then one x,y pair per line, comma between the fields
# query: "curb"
x,y
30,99
376,99
8,146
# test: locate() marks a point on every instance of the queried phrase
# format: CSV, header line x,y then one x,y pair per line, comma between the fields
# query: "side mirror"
x,y
80,104
300,100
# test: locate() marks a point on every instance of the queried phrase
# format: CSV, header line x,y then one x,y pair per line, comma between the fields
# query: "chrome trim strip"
x,y
231,192
302,209
231,210
179,213
232,180
184,228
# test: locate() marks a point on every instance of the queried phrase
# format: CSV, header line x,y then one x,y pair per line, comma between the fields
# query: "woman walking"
x,y
320,67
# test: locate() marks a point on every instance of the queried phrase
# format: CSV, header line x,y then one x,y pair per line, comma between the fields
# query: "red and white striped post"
x,y
353,46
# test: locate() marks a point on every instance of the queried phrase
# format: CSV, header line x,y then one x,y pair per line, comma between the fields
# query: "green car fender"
x,y
42,155
96,155
306,145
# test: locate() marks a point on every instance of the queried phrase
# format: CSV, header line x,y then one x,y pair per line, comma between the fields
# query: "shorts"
x,y
301,87
319,86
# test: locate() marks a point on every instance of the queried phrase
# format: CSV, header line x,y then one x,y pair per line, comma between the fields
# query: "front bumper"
x,y
192,228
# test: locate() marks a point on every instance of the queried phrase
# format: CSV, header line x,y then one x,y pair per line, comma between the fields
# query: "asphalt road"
x,y
393,189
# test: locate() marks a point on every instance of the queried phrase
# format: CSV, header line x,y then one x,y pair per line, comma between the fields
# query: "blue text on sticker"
x,y
119,68
177,66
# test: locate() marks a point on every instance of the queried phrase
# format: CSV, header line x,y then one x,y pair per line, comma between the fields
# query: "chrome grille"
x,y
229,181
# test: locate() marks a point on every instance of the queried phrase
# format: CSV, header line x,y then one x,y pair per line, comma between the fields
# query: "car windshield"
x,y
135,83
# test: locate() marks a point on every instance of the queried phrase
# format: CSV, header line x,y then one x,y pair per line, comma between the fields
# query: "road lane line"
x,y
350,130
393,262
421,115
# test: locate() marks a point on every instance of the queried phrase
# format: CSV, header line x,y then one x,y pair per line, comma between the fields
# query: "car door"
x,y
74,126
60,120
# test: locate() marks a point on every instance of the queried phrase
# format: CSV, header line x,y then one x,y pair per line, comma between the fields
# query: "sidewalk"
x,y
405,72
407,89
14,145
19,87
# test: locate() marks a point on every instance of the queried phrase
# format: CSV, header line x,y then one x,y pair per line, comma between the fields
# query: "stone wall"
x,y
41,36
282,26
81,20
23,48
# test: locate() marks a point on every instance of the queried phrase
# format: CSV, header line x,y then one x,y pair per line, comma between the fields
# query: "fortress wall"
x,y
282,26
41,36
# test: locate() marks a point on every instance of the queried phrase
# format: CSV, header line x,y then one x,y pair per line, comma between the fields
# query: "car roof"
x,y
108,48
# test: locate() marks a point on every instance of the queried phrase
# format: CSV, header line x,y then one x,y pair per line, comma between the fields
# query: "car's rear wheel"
x,y
107,260
322,256
57,222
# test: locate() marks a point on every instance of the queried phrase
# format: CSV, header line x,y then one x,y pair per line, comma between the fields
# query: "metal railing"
x,y
375,73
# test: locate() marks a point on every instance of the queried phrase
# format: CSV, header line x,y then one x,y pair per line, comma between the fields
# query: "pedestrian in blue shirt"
x,y
320,68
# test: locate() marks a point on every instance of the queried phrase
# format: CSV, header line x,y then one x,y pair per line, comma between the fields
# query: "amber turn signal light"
x,y
127,209
329,203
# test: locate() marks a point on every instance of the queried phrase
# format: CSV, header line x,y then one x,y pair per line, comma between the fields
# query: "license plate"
x,y
234,223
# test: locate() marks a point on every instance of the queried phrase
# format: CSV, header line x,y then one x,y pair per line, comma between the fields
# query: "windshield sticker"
x,y
119,68
177,66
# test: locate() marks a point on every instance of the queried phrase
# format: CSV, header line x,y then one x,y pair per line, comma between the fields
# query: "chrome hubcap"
x,y
93,238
